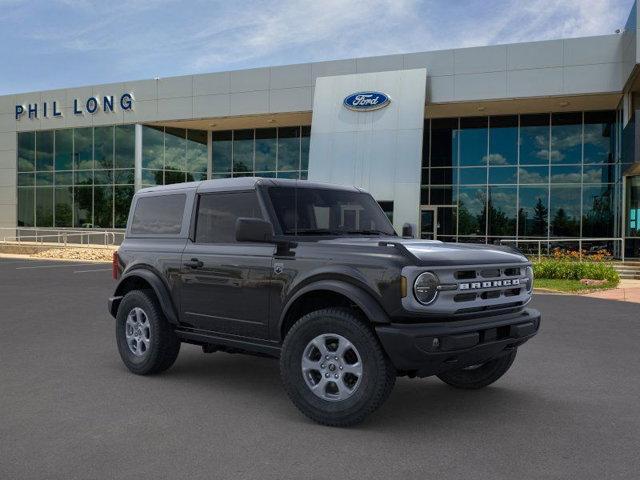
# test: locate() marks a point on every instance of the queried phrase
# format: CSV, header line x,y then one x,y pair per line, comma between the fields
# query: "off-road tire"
x,y
377,379
480,377
164,345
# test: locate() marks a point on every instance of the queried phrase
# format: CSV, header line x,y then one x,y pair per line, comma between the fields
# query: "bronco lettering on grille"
x,y
491,284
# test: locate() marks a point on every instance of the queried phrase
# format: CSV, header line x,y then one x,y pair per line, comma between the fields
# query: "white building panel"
x,y
378,150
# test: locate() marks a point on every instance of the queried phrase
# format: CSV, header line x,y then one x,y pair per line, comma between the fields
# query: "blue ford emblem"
x,y
366,101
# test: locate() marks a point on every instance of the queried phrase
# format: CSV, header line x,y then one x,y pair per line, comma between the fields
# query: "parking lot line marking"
x,y
54,266
94,270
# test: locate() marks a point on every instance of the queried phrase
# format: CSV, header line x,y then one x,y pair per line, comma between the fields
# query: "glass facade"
x,y
77,177
540,176
173,155
281,152
536,176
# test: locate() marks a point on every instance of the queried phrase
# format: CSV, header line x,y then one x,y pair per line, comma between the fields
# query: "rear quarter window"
x,y
158,215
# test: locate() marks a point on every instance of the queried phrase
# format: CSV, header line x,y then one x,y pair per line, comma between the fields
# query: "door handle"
x,y
194,263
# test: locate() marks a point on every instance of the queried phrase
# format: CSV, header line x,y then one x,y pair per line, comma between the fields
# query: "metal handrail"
x,y
579,241
84,237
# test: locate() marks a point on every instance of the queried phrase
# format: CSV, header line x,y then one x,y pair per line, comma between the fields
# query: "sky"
x,y
48,44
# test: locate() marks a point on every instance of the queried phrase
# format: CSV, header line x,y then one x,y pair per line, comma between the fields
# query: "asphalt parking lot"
x,y
569,408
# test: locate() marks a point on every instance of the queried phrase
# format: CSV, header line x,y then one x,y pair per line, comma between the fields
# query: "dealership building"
x,y
533,143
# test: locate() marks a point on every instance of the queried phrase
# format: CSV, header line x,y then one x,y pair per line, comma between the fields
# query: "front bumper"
x,y
431,348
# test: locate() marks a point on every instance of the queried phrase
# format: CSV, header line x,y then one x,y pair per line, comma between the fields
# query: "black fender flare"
x,y
158,286
364,300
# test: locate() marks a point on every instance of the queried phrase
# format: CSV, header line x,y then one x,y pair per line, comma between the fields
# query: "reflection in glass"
x,y
599,141
44,178
197,154
242,151
152,147
566,138
124,176
103,207
83,177
503,140
26,151
26,205
102,177
473,176
103,147
564,212
63,159
83,148
534,139
175,149
471,211
533,213
597,211
571,174
63,178
125,146
288,148
82,206
222,148
152,177
44,150
122,202
605,173
502,175
501,211
63,206
304,149
44,206
444,138
473,141
266,146
26,179
534,175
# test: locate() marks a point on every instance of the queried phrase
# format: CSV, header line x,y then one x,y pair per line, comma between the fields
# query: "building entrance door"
x,y
428,223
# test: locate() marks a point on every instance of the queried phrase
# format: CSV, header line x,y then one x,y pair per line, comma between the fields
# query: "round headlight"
x,y
425,288
529,274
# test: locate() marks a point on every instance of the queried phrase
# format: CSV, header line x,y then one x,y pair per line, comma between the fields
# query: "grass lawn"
x,y
568,285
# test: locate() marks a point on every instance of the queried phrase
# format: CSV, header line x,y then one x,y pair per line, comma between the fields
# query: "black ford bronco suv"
x,y
315,275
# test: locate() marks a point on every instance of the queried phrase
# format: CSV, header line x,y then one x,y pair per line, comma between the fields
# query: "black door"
x,y
225,284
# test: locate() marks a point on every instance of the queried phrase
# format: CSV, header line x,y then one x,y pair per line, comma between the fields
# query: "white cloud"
x,y
143,38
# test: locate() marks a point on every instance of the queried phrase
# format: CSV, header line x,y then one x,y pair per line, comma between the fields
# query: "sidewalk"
x,y
627,291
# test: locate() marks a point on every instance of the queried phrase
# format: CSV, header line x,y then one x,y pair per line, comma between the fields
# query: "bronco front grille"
x,y
468,289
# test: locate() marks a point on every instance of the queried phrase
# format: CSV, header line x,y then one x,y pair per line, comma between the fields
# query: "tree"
x,y
564,226
540,219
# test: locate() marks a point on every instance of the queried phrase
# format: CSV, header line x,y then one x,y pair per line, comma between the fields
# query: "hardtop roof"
x,y
240,183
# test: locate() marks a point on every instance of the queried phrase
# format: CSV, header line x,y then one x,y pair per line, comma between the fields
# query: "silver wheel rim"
x,y
138,332
332,367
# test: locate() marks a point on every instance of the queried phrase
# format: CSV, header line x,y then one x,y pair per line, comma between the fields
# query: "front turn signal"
x,y
403,287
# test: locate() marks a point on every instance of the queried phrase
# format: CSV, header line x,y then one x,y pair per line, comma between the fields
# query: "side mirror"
x,y
253,230
407,230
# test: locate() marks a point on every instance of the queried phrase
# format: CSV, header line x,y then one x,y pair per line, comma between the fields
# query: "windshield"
x,y
318,211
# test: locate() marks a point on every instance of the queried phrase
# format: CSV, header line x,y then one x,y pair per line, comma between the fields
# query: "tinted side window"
x,y
161,214
218,212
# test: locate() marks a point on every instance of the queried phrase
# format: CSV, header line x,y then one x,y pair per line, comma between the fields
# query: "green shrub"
x,y
570,270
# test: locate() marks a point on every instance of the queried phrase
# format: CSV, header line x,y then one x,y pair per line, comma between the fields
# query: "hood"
x,y
436,253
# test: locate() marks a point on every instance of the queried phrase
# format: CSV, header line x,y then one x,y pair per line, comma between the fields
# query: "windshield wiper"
x,y
367,232
315,231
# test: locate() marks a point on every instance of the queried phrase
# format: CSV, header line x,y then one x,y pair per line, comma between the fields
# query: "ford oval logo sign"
x,y
366,101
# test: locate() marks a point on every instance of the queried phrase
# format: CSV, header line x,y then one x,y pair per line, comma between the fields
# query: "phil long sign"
x,y
91,105
366,101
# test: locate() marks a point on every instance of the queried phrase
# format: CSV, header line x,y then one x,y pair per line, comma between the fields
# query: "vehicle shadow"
x,y
414,403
